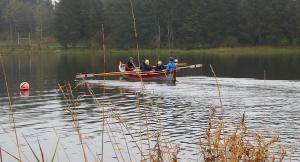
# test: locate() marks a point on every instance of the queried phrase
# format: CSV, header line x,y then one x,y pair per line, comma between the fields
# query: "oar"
x,y
80,76
181,64
190,67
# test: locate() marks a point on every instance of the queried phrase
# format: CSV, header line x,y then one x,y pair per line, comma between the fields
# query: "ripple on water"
x,y
180,111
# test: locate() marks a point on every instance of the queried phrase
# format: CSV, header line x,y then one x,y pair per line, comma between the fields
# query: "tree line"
x,y
22,17
160,23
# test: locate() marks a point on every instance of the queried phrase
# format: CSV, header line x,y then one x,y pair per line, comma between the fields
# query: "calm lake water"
x,y
179,110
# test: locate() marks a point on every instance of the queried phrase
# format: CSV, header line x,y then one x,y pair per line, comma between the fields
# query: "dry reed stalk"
x,y
91,152
31,149
41,150
292,151
11,109
103,115
136,37
239,145
71,108
126,143
108,127
103,124
11,155
117,146
135,30
130,134
61,145
146,124
121,122
218,85
56,147
115,142
162,152
1,155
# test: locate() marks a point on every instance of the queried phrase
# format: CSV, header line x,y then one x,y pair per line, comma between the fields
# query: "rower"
x,y
176,61
129,66
160,66
146,66
171,66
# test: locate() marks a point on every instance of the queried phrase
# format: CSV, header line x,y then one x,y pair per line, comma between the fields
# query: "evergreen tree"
x,y
119,22
77,21
160,23
211,22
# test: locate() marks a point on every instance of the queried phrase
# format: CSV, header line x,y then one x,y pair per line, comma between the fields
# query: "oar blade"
x,y
80,76
191,66
197,66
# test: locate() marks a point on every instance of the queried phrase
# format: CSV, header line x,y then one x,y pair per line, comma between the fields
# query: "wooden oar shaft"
x,y
111,74
190,66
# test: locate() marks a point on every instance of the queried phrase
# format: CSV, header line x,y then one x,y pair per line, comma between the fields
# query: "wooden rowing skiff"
x,y
137,75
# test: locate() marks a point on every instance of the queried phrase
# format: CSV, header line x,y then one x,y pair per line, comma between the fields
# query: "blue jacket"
x,y
170,67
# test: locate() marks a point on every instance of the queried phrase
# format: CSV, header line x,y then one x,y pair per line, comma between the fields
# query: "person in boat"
x,y
130,66
142,64
160,66
171,66
176,61
146,66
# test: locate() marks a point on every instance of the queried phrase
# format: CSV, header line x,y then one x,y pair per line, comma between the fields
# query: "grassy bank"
x,y
253,50
258,50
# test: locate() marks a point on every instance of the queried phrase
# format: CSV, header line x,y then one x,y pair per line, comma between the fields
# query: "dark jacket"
x,y
129,66
159,67
146,67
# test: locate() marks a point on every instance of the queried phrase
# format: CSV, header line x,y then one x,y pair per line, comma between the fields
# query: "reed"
x,y
1,155
240,144
218,84
104,70
72,103
11,110
135,30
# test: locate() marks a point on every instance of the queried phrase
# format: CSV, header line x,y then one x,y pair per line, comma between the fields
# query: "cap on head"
x,y
171,59
159,63
147,62
130,58
176,60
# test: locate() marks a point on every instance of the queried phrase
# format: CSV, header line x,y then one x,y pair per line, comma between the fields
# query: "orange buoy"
x,y
24,93
24,86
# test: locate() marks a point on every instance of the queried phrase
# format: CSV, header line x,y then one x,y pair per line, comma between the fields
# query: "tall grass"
x,y
11,109
72,103
240,144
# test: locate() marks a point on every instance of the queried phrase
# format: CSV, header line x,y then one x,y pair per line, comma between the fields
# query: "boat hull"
x,y
151,76
147,76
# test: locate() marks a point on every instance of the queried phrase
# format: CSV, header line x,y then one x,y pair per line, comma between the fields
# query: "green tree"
x,y
211,22
77,21
44,16
19,16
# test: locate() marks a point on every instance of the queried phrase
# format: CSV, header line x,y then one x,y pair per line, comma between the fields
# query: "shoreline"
x,y
248,50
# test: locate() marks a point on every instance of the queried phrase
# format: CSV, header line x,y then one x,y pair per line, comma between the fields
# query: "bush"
x,y
230,42
296,41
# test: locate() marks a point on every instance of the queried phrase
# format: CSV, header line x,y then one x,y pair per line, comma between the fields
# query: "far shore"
x,y
257,50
